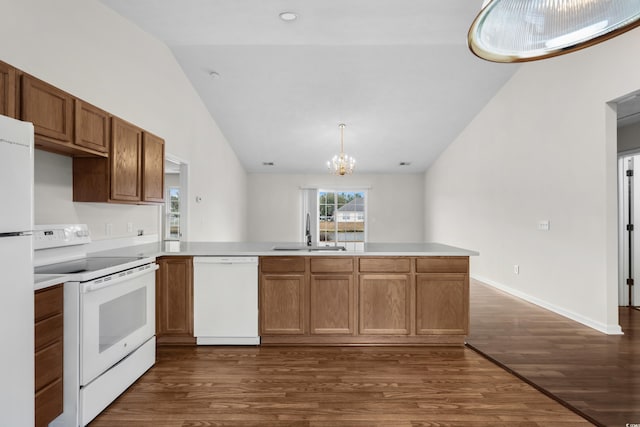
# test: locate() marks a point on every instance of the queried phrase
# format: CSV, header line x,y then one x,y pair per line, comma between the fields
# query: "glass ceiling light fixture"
x,y
528,30
341,164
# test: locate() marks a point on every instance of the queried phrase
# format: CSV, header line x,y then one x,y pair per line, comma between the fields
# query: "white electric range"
x,y
109,319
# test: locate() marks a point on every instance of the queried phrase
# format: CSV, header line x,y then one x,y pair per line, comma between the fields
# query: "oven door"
x,y
117,316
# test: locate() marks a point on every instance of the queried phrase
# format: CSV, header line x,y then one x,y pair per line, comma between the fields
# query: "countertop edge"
x,y
42,282
204,249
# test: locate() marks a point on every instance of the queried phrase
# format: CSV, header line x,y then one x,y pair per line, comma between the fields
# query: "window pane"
x,y
173,214
342,218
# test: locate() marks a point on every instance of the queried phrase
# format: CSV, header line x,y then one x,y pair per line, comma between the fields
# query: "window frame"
x,y
355,217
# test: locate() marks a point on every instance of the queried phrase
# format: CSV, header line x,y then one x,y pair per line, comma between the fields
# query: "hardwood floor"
x,y
330,386
596,374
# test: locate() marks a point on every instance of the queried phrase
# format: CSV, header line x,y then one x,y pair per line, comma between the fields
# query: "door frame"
x,y
184,198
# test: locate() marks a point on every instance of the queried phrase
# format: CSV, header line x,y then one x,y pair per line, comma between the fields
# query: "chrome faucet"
x,y
308,230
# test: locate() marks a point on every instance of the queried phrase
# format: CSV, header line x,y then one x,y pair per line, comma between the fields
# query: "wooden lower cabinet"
x,y
282,304
331,308
384,304
442,304
49,335
174,300
323,300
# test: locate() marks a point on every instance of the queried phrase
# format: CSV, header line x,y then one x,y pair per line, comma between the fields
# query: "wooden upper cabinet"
x,y
7,90
125,161
133,172
63,124
49,109
92,127
153,168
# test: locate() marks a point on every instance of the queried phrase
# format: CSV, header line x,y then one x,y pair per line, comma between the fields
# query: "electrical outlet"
x,y
516,269
129,227
108,229
543,225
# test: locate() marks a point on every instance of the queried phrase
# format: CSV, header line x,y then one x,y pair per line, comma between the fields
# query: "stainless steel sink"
x,y
309,248
327,248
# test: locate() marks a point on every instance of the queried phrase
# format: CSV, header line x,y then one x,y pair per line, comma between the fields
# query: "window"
x,y
172,231
341,218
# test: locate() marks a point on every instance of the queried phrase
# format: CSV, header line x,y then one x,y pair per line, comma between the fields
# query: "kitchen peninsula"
x,y
387,294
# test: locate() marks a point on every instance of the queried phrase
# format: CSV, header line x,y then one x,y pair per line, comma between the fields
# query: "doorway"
x,y
628,147
174,218
629,226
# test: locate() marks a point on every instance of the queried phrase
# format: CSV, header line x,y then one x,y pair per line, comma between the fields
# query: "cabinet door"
x,y
153,167
125,161
49,109
282,304
7,90
92,128
48,340
384,304
442,304
174,300
331,308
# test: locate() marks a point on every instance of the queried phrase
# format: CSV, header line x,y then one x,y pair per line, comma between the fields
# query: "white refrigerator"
x,y
16,273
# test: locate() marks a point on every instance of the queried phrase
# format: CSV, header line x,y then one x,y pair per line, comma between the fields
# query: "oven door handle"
x,y
117,278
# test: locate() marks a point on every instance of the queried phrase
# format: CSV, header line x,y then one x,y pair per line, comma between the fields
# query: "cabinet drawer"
x,y
442,265
331,265
48,365
385,265
48,302
48,403
48,331
282,264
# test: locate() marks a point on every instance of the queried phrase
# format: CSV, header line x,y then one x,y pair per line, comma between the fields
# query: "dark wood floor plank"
x,y
333,386
596,374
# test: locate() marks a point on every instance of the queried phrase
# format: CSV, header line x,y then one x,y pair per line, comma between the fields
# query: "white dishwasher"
x,y
225,300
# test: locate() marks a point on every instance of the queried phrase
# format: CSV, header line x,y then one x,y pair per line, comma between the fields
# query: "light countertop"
x,y
296,249
41,281
167,248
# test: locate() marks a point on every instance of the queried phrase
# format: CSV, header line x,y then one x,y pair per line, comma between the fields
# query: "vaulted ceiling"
x,y
397,73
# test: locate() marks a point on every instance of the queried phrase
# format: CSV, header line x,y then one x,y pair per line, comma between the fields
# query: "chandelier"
x,y
527,30
341,164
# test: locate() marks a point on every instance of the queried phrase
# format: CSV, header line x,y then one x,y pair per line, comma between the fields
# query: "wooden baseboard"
x,y
175,340
367,340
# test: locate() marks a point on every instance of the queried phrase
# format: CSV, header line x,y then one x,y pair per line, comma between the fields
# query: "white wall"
x,y
91,52
543,148
395,205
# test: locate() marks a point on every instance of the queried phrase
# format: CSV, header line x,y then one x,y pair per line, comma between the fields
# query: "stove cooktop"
x,y
85,265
